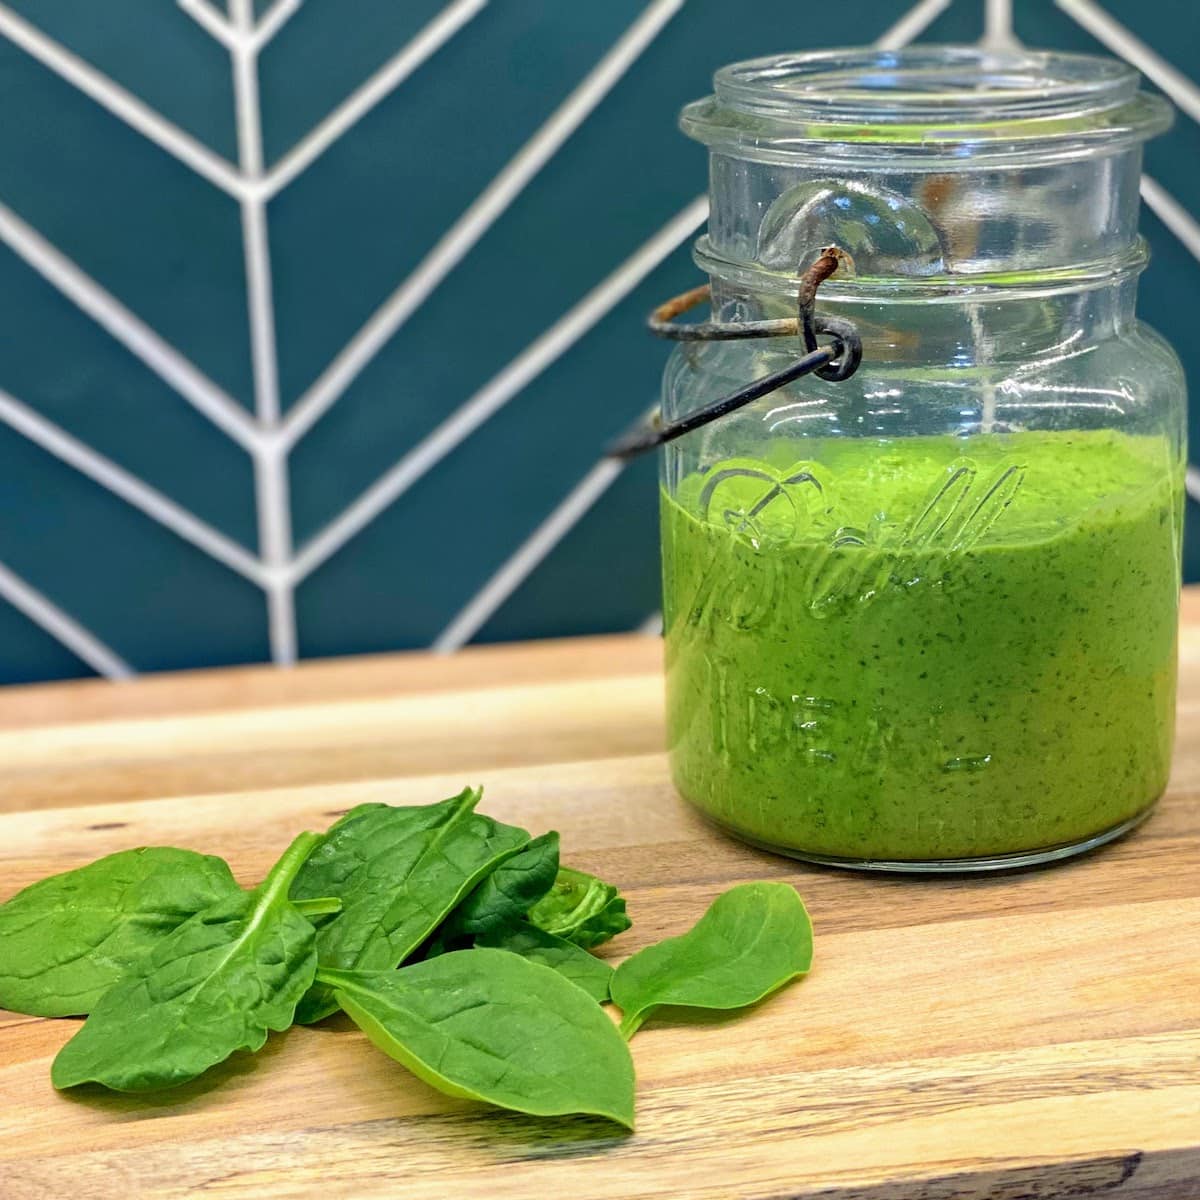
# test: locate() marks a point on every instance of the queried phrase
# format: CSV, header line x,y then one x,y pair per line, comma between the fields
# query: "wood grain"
x,y
1024,1037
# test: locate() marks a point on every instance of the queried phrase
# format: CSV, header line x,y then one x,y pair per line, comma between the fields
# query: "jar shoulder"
x,y
1131,381
1137,372
1157,354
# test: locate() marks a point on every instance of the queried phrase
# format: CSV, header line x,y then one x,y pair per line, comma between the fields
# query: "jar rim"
x,y
1035,283
967,101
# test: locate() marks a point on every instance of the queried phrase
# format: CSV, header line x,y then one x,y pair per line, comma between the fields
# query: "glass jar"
x,y
925,618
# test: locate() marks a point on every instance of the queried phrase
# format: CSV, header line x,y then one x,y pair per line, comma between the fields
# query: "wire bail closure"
x,y
833,363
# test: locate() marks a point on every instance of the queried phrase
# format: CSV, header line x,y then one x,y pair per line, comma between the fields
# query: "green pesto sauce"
x,y
935,648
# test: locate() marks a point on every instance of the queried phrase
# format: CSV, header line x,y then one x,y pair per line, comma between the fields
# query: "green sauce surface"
x,y
928,649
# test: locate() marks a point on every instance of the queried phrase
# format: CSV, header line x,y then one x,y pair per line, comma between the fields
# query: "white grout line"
x,y
912,24
274,21
501,388
62,627
260,302
67,448
273,499
119,102
998,33
1192,482
210,20
1119,39
245,90
1172,214
270,460
128,329
254,230
457,242
398,68
281,622
652,626
528,556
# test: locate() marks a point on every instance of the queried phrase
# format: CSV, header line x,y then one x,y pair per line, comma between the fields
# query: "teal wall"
x,y
167,245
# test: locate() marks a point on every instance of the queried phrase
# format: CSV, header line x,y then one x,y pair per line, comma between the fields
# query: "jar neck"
x,y
963,330
958,227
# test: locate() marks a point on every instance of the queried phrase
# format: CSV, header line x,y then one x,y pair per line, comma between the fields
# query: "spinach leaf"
x,y
753,939
216,984
397,871
584,970
581,908
501,897
492,1026
65,940
493,916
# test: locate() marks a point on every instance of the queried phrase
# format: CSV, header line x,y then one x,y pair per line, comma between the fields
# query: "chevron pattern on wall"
x,y
321,314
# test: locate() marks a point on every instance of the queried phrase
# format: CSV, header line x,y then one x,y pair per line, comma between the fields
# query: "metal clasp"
x,y
835,362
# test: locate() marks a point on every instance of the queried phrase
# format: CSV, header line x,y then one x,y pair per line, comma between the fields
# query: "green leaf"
x,y
217,984
502,897
753,939
573,962
581,908
492,1026
66,940
398,871
493,915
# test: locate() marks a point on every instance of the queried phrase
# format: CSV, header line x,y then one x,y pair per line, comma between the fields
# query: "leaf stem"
x,y
318,907
345,981
281,876
631,1024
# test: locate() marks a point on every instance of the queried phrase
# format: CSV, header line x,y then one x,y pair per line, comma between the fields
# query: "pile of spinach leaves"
x,y
459,945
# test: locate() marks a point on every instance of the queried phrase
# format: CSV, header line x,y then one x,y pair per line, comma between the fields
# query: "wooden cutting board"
x,y
1030,1036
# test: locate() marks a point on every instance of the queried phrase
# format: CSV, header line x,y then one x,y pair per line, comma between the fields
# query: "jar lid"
x,y
943,103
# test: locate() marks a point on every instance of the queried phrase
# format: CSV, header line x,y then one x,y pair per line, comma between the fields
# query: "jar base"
x,y
950,866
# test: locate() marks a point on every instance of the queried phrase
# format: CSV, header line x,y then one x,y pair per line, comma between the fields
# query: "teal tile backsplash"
x,y
197,470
